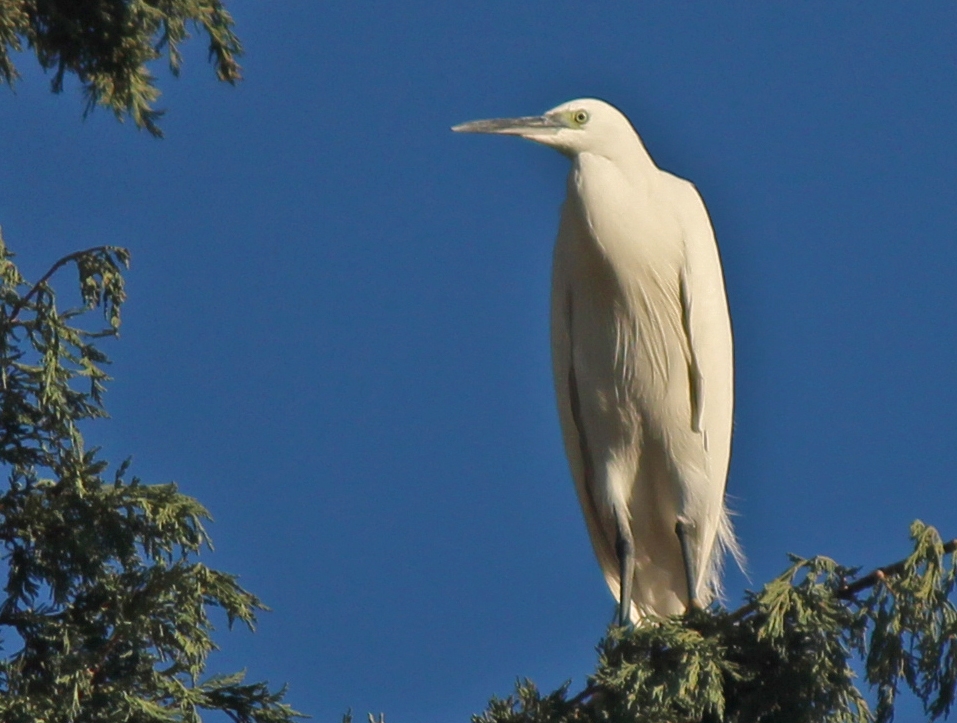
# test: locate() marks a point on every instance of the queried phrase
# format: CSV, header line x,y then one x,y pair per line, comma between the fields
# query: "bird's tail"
x,y
725,543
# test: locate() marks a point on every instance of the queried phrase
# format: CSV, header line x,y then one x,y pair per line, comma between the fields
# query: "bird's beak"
x,y
527,126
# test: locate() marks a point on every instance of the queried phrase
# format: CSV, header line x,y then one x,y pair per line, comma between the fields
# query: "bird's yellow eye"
x,y
580,117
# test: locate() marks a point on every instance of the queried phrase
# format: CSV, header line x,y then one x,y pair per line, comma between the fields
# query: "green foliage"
x,y
105,611
914,636
785,657
108,45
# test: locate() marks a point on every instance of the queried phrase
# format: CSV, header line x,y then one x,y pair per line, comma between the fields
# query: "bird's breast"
x,y
625,256
629,218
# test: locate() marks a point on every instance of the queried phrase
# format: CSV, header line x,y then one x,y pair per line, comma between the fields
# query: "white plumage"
x,y
642,356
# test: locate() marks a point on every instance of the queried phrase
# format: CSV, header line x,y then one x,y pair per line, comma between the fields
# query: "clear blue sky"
x,y
337,332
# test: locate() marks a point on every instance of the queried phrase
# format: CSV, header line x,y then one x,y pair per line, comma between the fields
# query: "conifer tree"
x,y
105,611
784,657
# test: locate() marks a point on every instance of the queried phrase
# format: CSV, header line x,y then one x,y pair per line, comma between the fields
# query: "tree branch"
x,y
849,591
75,256
872,578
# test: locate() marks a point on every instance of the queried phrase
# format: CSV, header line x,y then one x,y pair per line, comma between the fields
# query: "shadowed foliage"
x,y
109,44
105,611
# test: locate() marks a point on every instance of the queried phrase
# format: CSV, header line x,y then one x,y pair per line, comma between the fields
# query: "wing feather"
x,y
580,456
695,378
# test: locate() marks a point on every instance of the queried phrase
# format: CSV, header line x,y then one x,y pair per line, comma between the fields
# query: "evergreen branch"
x,y
75,257
881,573
25,299
584,695
848,592
109,45
797,651
100,588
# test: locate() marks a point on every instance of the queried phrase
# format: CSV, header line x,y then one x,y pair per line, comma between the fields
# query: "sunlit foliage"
x,y
784,657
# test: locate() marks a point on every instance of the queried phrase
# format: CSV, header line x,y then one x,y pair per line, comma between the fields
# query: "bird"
x,y
642,357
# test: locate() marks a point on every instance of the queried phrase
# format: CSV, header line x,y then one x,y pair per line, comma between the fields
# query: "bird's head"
x,y
585,125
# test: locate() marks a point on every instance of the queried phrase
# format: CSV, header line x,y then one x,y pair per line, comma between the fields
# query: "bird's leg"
x,y
625,548
683,530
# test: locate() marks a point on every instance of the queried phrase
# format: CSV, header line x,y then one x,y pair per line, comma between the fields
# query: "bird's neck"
x,y
620,205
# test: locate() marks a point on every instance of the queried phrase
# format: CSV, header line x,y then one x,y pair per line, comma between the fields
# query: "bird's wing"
x,y
711,365
569,402
707,326
695,378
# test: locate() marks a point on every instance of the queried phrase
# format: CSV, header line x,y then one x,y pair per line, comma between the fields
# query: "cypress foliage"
x,y
108,44
104,614
784,657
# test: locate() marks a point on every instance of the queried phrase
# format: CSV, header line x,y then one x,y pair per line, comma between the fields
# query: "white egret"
x,y
642,356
